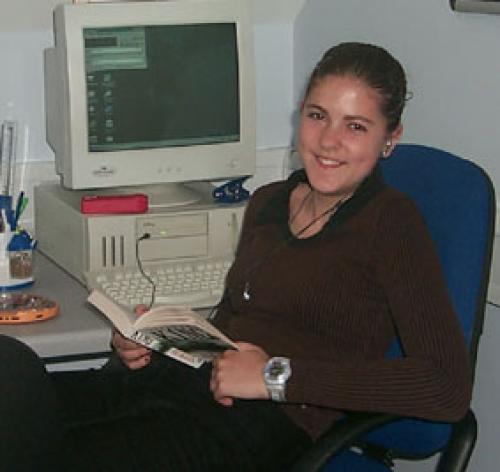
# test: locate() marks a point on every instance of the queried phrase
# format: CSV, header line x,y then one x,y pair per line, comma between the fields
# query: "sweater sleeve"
x,y
432,379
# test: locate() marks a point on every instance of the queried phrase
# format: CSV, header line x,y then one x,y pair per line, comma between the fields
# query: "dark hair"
x,y
374,66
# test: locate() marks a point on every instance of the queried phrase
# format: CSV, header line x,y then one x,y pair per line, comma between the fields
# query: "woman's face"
x,y
342,134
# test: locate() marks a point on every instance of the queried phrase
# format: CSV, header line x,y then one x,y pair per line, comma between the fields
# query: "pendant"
x,y
246,292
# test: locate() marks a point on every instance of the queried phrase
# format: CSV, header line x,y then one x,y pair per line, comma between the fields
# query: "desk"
x,y
78,337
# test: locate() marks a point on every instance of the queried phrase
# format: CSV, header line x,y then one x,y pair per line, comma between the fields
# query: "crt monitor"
x,y
148,94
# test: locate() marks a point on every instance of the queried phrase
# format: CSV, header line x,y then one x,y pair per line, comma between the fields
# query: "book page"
x,y
163,316
121,318
187,337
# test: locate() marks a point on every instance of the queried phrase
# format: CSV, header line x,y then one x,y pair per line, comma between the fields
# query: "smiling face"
x,y
342,134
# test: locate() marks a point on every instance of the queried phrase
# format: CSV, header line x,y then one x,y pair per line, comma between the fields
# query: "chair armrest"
x,y
341,435
346,433
455,457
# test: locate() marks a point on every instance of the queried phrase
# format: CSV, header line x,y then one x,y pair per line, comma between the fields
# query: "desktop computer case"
x,y
82,243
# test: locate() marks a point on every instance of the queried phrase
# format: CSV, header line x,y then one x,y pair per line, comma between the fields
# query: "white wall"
x,y
21,89
27,15
274,82
265,11
25,30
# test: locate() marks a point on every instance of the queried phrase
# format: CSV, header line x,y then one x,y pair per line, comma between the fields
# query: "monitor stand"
x,y
165,195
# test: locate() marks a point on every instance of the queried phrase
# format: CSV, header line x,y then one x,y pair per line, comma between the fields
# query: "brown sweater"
x,y
334,302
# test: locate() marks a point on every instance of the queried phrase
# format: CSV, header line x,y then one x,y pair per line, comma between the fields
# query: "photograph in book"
x,y
177,332
186,337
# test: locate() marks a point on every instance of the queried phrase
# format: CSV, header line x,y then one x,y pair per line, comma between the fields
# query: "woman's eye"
x,y
357,127
315,115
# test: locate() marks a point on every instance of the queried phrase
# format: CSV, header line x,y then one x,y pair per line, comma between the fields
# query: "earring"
x,y
387,148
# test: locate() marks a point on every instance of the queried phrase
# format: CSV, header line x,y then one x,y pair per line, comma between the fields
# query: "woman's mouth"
x,y
328,162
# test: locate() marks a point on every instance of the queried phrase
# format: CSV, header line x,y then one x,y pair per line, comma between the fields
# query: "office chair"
x,y
457,201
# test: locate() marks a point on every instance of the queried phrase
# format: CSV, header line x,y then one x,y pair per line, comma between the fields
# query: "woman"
x,y
332,265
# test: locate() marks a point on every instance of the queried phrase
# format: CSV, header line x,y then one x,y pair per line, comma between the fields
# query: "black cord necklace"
x,y
305,199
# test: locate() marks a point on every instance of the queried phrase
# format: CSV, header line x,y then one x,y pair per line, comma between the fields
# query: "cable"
x,y
141,269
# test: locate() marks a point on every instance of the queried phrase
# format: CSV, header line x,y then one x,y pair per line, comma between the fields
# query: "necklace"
x,y
307,196
331,210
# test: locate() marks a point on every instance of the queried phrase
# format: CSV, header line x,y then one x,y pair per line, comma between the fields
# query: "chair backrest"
x,y
457,201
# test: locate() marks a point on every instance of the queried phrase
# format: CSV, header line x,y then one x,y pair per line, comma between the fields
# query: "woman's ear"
x,y
392,140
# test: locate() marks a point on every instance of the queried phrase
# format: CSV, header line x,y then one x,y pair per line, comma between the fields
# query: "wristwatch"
x,y
276,373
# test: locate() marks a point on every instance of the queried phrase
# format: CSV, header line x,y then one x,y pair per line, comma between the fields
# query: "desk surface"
x,y
77,330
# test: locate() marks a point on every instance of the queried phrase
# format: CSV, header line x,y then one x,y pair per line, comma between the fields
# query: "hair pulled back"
x,y
374,66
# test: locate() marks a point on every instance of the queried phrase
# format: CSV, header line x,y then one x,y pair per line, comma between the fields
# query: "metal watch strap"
x,y
277,393
276,373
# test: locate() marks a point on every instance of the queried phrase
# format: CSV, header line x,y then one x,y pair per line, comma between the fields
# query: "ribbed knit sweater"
x,y
334,302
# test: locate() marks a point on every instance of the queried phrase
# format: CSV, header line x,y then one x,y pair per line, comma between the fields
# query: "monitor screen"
x,y
141,94
159,86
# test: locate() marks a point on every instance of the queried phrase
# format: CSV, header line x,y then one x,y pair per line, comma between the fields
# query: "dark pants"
x,y
160,418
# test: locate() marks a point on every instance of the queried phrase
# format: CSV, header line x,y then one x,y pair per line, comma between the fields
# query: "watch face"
x,y
278,370
275,369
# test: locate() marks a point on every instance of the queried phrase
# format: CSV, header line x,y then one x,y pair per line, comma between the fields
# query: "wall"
x,y
453,70
27,15
269,11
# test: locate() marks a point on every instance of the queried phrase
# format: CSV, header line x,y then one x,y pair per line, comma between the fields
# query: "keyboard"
x,y
193,283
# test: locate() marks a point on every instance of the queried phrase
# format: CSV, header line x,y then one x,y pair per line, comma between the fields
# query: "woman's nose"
x,y
330,137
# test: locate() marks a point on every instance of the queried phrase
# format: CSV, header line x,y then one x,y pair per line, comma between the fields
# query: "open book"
x,y
177,332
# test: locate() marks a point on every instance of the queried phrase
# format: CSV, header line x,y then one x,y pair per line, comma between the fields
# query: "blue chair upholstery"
x,y
350,461
457,201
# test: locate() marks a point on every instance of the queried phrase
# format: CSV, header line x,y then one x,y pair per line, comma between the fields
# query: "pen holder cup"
x,y
16,260
21,264
20,252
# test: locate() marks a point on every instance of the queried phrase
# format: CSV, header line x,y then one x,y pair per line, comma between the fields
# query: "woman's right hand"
x,y
132,354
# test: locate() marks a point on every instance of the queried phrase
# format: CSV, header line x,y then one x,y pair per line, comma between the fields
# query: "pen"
x,y
19,207
7,212
3,216
24,204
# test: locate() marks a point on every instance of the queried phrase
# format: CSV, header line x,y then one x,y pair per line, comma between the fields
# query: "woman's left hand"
x,y
238,374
